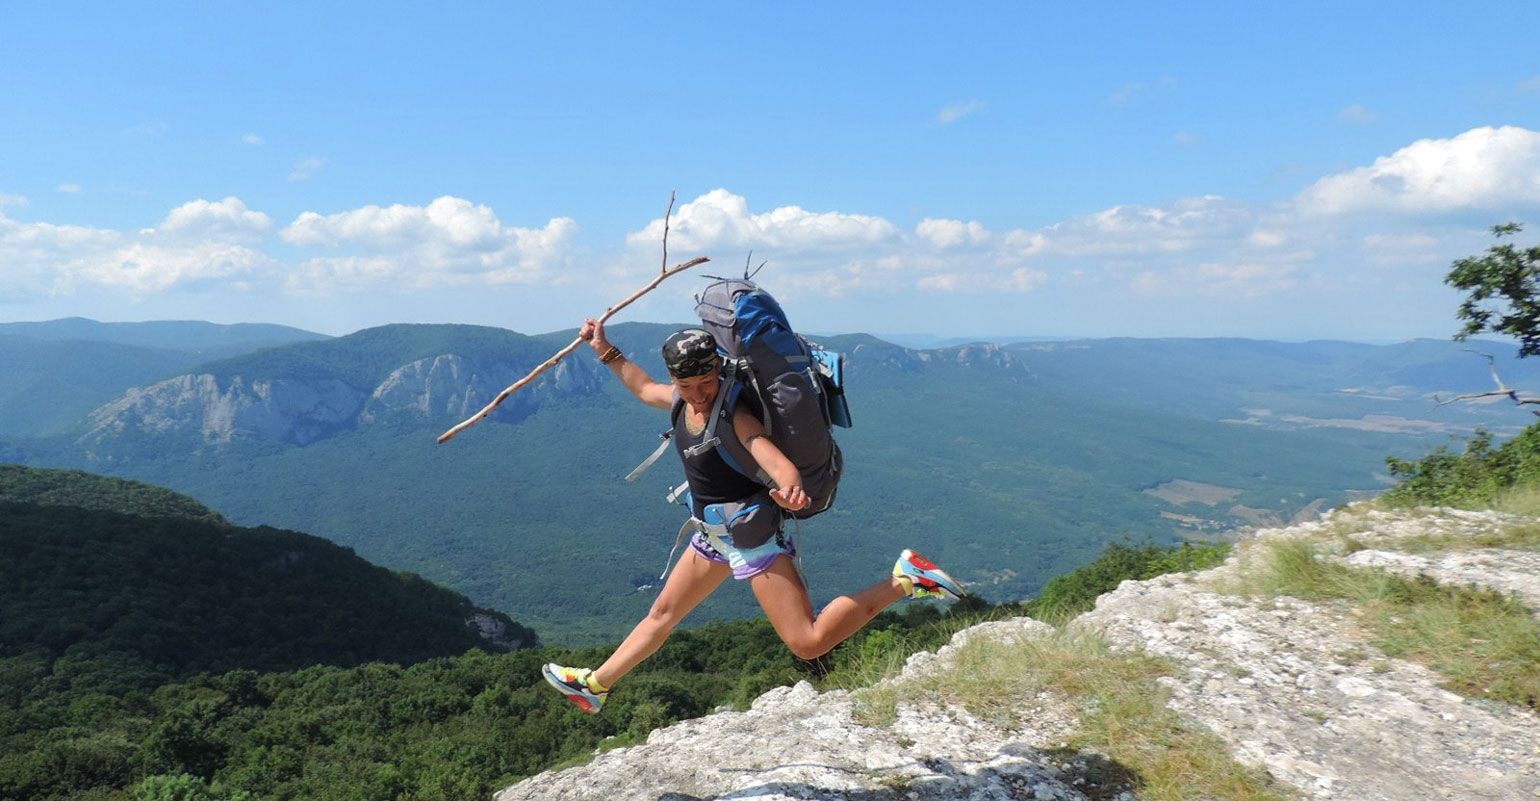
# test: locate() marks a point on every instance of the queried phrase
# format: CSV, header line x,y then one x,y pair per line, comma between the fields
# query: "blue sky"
x,y
1293,171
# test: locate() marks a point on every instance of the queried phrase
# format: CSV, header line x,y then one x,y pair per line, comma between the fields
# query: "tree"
x,y
1504,291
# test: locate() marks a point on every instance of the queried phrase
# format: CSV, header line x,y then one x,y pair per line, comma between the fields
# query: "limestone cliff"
x,y
1293,688
218,410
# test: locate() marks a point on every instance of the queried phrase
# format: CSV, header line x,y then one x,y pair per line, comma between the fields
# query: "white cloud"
x,y
1358,114
1326,236
1025,279
721,220
944,234
1344,231
306,168
1020,244
12,200
36,259
226,220
69,189
1186,138
42,260
957,111
224,244
145,267
833,252
1262,238
1481,169
255,140
449,241
1186,225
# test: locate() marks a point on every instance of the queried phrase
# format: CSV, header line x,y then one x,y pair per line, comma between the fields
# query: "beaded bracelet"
x,y
610,355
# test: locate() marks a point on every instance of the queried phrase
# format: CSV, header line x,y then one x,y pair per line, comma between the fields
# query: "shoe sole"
x,y
582,701
948,586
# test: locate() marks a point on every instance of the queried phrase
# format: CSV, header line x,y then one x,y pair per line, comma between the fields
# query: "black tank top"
x,y
711,479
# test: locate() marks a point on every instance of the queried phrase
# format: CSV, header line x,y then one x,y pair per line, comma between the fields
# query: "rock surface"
x,y
1293,687
283,410
300,411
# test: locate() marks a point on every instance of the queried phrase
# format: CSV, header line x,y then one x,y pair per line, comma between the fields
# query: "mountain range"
x,y
1007,463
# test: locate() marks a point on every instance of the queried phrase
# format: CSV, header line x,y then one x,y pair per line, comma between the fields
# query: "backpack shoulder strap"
x,y
667,436
727,394
650,460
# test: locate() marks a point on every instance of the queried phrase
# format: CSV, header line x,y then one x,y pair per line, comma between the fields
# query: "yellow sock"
x,y
908,584
593,683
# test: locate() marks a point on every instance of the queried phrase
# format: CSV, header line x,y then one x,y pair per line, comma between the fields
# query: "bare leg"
x,y
783,596
694,578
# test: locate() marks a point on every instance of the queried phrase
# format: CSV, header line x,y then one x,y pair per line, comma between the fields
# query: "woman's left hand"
x,y
791,498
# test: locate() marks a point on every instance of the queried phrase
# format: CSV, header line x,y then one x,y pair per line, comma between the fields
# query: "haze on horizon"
x,y
997,171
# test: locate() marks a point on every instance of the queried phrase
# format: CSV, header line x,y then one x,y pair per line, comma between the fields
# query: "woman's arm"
x,y
634,377
788,492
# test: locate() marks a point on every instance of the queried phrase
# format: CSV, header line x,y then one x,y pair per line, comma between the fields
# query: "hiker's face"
x,y
698,392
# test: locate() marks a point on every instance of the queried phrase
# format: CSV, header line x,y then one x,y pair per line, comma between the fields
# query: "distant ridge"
x,y
183,335
58,371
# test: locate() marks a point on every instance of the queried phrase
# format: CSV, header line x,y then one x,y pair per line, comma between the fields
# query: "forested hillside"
x,y
169,587
81,490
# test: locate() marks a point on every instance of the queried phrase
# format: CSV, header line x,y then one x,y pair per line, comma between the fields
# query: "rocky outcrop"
x,y
449,387
443,386
1292,687
496,631
978,354
1299,689
798,743
219,411
301,411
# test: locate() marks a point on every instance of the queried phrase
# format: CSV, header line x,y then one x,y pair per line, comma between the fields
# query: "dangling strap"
x,y
713,533
684,531
648,462
797,560
678,492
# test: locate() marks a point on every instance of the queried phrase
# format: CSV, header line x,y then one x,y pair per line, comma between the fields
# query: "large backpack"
x,y
796,387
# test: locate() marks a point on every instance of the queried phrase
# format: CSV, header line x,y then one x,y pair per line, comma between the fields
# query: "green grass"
x,y
1120,705
1518,536
1485,643
1520,499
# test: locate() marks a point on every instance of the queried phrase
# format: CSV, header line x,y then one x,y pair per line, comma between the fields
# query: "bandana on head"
x,y
689,353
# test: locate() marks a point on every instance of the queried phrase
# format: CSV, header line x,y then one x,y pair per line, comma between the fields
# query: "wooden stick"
x,y
562,354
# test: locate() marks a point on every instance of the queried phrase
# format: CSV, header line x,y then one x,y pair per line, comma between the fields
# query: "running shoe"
x,y
573,683
924,578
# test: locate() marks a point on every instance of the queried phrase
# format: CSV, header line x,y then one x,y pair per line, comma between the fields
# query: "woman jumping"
x,y
755,547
